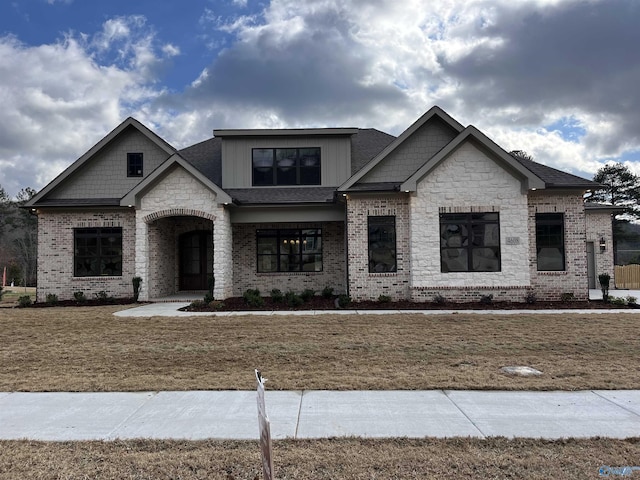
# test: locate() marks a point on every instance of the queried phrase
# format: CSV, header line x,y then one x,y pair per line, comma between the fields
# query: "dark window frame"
x,y
545,236
287,234
377,222
469,221
275,175
100,262
135,164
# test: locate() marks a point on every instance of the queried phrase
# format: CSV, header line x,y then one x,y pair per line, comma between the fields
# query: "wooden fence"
x,y
627,276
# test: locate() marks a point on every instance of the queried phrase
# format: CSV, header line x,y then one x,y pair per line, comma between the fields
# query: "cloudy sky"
x,y
559,79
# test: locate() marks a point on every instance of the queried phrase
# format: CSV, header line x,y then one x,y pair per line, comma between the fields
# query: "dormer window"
x,y
286,166
134,164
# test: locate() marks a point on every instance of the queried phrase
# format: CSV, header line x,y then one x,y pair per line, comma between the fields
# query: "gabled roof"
x,y
434,111
555,178
175,159
471,133
129,122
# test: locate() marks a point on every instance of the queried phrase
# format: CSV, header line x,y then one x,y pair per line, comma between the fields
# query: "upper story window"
x,y
550,241
286,166
134,164
470,242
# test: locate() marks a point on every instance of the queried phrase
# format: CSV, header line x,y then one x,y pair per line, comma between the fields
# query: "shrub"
x,y
631,299
101,296
486,299
344,301
307,294
52,298
80,297
439,299
530,298
327,292
197,304
384,299
604,279
617,301
136,281
208,298
567,297
277,296
293,299
24,301
252,298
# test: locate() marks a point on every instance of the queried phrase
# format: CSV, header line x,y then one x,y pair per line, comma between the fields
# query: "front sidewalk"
x,y
198,415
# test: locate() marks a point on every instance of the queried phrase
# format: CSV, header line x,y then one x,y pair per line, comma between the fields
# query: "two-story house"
x,y
439,210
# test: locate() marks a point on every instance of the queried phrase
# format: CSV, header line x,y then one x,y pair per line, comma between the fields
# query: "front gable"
x,y
102,172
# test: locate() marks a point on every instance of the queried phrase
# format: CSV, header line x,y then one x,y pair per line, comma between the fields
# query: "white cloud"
x,y
58,99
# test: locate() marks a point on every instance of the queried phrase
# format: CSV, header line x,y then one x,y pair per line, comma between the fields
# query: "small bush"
x,y
617,301
327,292
344,301
216,304
277,296
384,299
136,281
439,299
24,301
307,294
197,304
293,299
101,295
631,299
52,299
252,298
530,298
80,297
567,297
604,279
208,298
486,299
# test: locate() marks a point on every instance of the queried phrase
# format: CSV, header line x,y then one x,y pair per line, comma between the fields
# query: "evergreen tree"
x,y
621,188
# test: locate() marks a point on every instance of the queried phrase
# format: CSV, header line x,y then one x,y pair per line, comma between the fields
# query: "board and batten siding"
x,y
105,175
335,155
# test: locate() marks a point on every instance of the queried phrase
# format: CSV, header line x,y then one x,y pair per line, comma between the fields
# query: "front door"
x,y
196,260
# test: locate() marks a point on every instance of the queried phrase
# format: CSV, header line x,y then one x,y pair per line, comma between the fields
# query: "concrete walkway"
x,y
319,414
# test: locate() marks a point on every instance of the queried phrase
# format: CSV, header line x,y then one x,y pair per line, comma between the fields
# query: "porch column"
x,y
222,256
142,255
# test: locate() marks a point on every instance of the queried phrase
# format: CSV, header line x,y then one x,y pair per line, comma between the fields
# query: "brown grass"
x,y
12,294
88,349
318,459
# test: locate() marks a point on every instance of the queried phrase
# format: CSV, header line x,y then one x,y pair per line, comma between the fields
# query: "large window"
x,y
134,164
469,242
382,244
289,250
550,241
286,166
97,252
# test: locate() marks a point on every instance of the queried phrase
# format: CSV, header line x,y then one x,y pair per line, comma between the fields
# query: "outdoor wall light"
x,y
603,244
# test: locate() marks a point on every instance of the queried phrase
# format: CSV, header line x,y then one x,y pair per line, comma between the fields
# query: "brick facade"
x,y
599,226
245,266
551,285
56,252
364,285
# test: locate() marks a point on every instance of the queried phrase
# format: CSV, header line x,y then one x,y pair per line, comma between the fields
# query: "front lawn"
x,y
88,349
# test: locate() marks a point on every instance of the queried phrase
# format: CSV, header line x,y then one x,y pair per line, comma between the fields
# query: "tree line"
x,y
18,238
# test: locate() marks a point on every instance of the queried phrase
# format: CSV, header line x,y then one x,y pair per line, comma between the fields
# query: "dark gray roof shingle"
x,y
207,157
555,178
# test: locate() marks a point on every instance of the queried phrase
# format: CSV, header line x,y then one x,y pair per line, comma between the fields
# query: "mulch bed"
x,y
235,304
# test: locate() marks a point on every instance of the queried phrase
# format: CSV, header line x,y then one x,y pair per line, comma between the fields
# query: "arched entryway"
x,y
195,253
